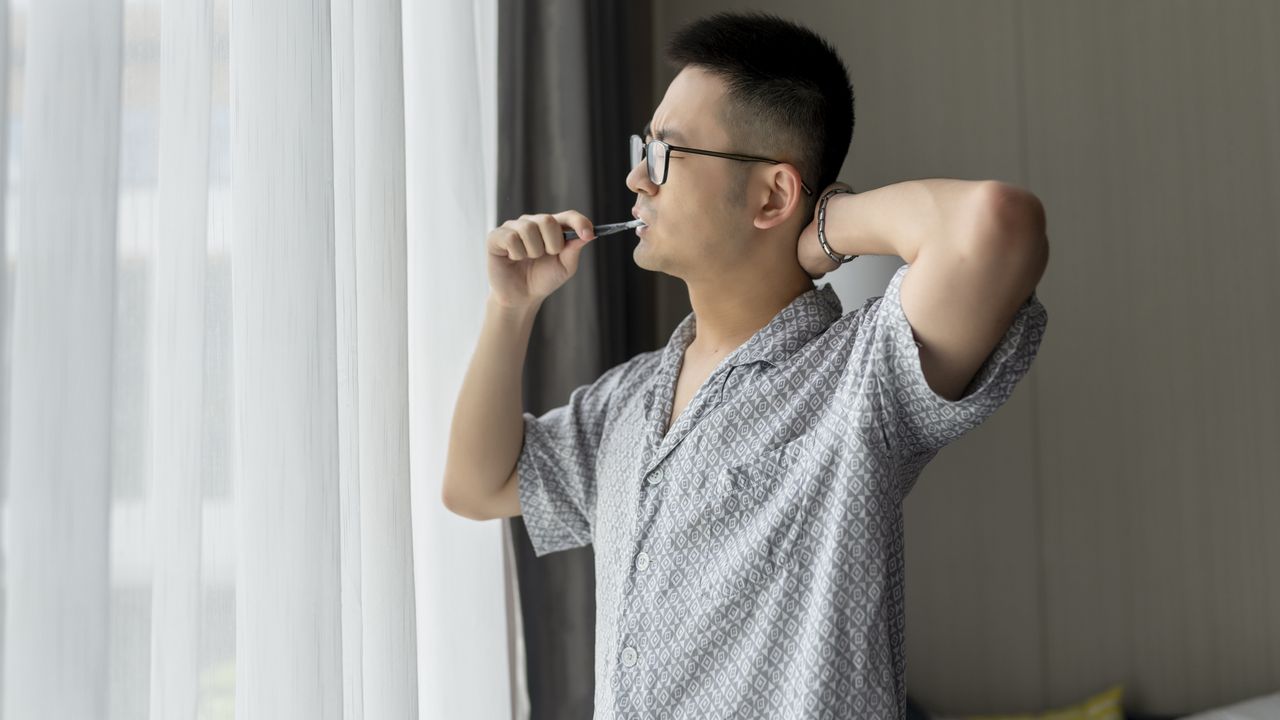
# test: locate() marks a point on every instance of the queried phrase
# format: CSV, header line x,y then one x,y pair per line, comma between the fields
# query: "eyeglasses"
x,y
658,154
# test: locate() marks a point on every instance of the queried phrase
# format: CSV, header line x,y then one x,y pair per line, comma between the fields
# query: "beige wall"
x,y
1116,521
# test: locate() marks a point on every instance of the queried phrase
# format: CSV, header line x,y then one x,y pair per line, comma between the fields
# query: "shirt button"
x,y
628,656
655,478
642,561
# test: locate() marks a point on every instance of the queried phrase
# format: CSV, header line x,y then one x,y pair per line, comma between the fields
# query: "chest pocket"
x,y
776,469
760,478
750,514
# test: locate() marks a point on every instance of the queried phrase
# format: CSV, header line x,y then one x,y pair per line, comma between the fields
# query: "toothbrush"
x,y
606,229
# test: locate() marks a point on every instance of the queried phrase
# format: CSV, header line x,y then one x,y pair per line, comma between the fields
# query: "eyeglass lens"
x,y
655,152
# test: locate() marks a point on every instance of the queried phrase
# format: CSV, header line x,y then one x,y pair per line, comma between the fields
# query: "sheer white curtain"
x,y
244,271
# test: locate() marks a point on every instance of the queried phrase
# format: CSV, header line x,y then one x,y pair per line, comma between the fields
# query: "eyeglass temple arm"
x,y
727,156
735,156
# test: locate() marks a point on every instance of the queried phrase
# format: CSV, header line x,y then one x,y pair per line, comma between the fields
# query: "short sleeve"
x,y
921,420
556,471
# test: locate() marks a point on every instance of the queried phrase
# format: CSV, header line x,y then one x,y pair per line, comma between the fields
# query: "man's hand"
x,y
808,250
529,257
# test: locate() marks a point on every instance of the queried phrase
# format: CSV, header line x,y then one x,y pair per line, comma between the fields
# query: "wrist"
x,y
832,245
518,312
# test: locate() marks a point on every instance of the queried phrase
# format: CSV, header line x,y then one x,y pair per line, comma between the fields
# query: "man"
x,y
743,486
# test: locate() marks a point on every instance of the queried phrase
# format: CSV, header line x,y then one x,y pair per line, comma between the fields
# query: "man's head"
x,y
751,84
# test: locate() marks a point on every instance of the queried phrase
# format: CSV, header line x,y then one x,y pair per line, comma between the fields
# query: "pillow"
x,y
1260,708
1103,706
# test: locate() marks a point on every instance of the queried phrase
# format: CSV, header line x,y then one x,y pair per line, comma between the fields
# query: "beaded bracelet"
x,y
822,221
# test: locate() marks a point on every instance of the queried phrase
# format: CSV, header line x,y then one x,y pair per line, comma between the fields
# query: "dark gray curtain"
x,y
574,82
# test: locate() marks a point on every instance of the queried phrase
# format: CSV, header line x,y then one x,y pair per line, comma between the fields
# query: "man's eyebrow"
x,y
664,134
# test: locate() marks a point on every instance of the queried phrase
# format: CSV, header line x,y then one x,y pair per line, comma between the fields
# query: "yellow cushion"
x,y
1103,706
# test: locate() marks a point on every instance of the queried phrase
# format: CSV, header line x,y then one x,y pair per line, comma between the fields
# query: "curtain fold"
x,y
178,353
377,562
450,139
59,467
285,351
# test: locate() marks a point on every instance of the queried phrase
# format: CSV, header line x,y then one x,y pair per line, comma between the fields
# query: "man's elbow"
x,y
458,506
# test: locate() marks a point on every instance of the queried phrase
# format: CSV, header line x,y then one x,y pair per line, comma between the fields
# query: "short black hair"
x,y
789,95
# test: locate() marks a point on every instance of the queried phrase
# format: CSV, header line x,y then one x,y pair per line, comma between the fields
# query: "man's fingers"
x,y
552,234
531,235
579,222
510,241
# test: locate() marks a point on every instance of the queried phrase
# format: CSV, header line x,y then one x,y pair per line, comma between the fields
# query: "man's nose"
x,y
638,179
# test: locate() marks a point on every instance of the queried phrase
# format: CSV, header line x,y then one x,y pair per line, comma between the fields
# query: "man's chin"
x,y
640,254
645,257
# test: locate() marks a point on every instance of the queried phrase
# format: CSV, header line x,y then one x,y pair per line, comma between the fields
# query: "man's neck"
x,y
730,311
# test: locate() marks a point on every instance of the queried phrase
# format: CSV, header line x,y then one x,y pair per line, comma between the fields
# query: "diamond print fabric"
x,y
749,562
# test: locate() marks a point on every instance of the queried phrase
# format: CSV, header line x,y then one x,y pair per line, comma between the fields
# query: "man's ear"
x,y
780,198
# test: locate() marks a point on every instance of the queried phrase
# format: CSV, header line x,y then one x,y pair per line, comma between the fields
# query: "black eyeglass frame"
x,y
666,161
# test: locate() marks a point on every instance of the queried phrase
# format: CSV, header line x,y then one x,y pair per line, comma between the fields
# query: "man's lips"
x,y
635,212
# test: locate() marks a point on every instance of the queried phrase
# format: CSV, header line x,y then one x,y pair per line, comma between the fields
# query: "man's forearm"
x,y
901,218
488,420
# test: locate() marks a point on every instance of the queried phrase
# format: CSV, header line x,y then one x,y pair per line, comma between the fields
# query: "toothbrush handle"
x,y
603,229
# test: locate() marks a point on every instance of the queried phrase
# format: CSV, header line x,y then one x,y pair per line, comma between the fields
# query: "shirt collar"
x,y
807,316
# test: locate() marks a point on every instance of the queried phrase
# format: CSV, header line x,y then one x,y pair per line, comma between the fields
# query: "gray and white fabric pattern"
x,y
749,562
